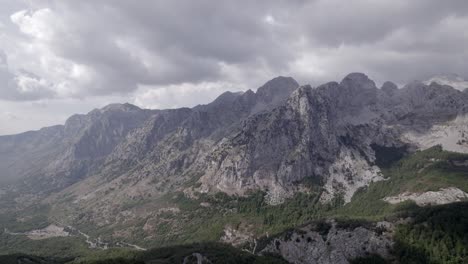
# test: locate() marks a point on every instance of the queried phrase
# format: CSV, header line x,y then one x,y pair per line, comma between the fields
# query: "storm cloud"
x,y
164,53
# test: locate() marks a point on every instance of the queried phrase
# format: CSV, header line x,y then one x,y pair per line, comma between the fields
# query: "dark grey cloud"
x,y
157,42
336,22
390,40
118,45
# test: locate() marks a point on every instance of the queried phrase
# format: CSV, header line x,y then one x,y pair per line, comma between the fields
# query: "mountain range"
x,y
122,176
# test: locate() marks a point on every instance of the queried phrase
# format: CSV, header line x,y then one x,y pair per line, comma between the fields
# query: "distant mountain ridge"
x,y
452,80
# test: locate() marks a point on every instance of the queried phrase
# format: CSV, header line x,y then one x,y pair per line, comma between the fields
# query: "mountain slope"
x,y
62,155
246,165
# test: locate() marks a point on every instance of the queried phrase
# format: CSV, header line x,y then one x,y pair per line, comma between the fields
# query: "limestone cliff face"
x,y
272,139
90,139
331,244
327,133
324,133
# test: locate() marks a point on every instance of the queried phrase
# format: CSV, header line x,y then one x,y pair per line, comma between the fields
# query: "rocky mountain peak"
x,y
389,88
80,122
225,98
355,92
269,95
421,89
277,87
357,80
126,107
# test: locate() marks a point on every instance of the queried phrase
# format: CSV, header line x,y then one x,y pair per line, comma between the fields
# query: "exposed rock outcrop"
x,y
330,244
451,135
443,196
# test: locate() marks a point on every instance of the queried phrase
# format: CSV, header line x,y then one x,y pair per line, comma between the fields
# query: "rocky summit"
x,y
122,176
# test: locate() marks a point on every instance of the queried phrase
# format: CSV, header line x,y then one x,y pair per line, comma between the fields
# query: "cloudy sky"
x,y
59,57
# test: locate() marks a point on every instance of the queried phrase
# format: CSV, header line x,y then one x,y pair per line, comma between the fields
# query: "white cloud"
x,y
40,24
30,84
182,95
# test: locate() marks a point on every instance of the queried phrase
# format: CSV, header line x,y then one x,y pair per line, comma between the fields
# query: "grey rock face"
x,y
389,88
324,133
275,90
271,139
302,138
118,138
58,156
428,104
334,246
443,196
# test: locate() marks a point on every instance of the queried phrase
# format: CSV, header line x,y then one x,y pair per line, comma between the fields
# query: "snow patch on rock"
x,y
443,196
452,136
347,174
